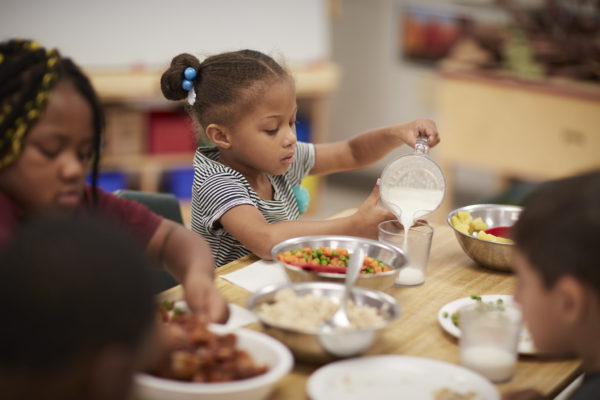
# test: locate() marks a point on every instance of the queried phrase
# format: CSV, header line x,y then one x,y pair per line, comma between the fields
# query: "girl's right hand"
x,y
370,214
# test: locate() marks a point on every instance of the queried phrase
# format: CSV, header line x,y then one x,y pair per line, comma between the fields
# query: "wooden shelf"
x,y
317,80
517,129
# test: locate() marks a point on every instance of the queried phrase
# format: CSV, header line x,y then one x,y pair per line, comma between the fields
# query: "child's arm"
x,y
189,258
368,147
248,225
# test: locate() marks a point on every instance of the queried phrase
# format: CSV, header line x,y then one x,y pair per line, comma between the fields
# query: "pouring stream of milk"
x,y
408,204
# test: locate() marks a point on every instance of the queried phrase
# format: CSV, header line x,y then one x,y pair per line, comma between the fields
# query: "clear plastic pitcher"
x,y
413,185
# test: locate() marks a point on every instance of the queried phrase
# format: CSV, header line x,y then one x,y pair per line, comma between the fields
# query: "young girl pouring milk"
x,y
246,195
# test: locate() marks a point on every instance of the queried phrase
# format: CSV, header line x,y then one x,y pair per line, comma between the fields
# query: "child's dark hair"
x,y
559,229
70,286
28,73
225,84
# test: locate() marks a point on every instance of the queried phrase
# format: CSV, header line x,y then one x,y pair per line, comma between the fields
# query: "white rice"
x,y
308,312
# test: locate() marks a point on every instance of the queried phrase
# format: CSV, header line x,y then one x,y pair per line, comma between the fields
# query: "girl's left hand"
x,y
205,300
420,127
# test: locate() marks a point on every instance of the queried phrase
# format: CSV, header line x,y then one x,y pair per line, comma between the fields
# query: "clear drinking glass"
x,y
417,247
489,338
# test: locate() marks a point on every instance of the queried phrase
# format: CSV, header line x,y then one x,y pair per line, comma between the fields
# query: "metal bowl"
x,y
493,255
321,346
394,257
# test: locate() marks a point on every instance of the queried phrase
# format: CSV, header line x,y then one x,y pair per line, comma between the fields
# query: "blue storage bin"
x,y
110,181
180,183
303,133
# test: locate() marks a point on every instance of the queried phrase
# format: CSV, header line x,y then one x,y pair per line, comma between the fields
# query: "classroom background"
x,y
515,101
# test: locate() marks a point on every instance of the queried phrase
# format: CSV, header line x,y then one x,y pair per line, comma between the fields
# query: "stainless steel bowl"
x,y
488,254
392,256
320,346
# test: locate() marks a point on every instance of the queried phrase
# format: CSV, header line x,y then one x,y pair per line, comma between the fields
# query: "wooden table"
x,y
450,275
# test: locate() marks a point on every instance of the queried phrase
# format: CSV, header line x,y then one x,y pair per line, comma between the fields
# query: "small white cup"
x,y
417,249
489,338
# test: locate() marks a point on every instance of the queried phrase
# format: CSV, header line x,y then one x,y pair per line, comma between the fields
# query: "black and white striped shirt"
x,y
218,188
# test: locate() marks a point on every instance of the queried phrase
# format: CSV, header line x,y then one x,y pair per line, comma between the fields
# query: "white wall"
x,y
117,33
377,88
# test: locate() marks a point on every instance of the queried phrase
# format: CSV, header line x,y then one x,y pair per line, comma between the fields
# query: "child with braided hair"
x,y
245,195
50,132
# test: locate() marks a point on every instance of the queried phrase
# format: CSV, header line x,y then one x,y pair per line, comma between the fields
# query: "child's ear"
x,y
219,135
572,299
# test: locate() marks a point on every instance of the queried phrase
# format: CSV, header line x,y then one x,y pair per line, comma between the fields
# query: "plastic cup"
x,y
418,246
489,337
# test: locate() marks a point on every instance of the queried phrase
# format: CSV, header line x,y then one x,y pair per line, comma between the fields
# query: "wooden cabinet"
x,y
517,129
131,94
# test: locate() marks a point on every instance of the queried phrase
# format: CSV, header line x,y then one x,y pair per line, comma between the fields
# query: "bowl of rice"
x,y
380,270
294,313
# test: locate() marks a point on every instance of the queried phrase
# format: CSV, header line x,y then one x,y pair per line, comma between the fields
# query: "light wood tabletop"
x,y
450,275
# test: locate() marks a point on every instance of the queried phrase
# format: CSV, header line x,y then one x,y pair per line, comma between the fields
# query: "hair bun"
x,y
170,81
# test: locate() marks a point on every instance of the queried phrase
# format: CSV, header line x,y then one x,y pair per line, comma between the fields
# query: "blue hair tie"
x,y
189,74
302,198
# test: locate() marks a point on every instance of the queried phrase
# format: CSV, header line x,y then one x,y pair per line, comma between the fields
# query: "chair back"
x,y
166,205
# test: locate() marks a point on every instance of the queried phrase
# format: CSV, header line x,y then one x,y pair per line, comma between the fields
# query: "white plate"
x,y
395,377
525,342
263,349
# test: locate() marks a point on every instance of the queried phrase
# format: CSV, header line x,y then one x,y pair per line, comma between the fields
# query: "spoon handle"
x,y
354,267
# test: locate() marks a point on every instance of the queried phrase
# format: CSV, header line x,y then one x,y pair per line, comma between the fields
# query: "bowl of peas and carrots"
x,y
325,258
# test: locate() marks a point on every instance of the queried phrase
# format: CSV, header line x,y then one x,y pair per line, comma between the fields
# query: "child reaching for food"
x,y
557,264
79,313
246,195
50,133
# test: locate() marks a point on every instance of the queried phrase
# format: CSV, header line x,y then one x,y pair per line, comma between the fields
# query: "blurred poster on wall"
x,y
426,34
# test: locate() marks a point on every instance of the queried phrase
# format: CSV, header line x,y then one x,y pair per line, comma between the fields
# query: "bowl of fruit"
x,y
483,232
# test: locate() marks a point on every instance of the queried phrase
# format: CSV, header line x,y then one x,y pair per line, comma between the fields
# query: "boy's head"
x,y
50,126
77,304
557,259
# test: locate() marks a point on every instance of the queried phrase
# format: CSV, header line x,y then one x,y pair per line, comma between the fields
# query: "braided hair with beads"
x,y
28,73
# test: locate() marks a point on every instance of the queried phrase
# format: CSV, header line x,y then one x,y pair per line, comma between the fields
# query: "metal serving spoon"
x,y
340,320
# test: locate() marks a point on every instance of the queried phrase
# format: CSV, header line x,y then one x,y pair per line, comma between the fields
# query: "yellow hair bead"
x,y
31,45
52,62
33,114
1,58
47,79
41,98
